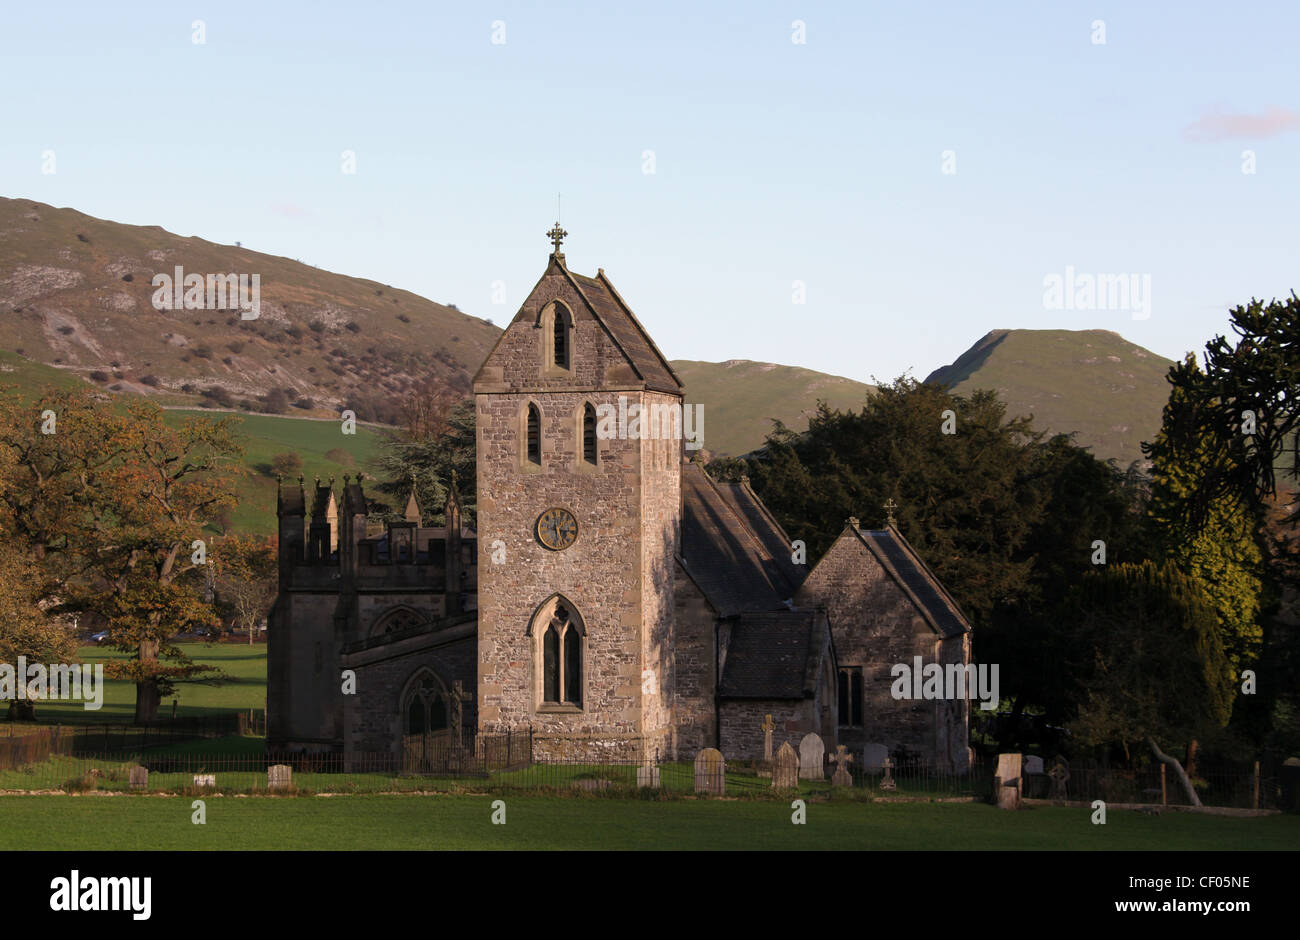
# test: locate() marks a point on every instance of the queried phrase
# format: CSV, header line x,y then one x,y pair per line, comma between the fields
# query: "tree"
x,y
1213,539
112,501
1091,516
431,462
961,496
286,465
245,578
25,628
1148,661
1245,398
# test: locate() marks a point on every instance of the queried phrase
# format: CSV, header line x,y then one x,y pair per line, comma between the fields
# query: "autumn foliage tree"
x,y
244,576
113,501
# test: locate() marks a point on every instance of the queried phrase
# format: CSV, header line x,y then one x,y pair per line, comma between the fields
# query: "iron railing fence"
x,y
500,766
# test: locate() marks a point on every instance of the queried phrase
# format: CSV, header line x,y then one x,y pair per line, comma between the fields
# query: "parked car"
x,y
99,637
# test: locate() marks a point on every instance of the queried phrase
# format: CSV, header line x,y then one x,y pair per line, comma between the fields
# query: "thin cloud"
x,y
290,211
1225,125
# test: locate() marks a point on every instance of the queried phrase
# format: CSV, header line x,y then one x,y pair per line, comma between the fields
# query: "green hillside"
x,y
326,452
741,397
1093,382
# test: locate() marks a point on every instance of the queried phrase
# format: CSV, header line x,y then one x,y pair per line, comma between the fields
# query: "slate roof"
x,y
914,575
727,560
774,655
745,502
627,331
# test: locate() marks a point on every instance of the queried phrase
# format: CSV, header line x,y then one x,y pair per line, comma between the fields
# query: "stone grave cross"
x,y
768,727
887,782
841,758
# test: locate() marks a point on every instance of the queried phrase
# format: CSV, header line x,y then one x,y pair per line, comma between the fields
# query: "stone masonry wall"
x,y
742,725
875,626
374,717
695,658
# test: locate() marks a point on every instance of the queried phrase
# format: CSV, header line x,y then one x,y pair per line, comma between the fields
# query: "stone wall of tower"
x,y
618,582
661,507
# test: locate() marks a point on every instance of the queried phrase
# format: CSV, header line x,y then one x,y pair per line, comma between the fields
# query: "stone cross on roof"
x,y
889,508
556,235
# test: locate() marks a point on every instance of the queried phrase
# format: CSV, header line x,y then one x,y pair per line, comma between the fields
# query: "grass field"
x,y
464,822
246,689
265,436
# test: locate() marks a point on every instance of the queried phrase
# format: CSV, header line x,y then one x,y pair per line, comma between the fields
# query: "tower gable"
x,y
606,346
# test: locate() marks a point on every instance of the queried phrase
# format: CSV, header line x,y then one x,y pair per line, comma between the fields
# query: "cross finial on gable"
x,y
556,235
889,508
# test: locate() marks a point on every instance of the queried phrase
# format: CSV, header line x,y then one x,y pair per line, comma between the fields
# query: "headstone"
x,y
205,780
647,776
768,728
1033,764
887,781
1006,781
812,757
873,757
279,776
710,772
785,771
139,778
841,758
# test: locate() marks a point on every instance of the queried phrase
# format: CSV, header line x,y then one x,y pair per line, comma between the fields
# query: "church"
x,y
615,602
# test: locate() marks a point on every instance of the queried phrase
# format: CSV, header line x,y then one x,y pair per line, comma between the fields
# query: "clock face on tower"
x,y
557,529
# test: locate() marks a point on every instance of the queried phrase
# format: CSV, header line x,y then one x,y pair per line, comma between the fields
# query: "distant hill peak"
x,y
1107,390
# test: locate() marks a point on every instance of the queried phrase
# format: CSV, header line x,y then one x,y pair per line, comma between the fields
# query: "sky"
x,y
860,188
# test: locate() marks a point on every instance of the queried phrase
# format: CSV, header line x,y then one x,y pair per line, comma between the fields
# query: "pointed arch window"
x,y
557,338
561,655
589,433
534,432
560,338
426,707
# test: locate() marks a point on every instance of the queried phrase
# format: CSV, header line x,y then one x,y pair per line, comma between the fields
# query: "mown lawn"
x,y
464,822
244,690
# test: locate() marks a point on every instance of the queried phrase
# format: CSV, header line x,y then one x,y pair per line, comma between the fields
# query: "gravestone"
x,y
1035,778
1006,782
279,776
785,771
873,757
768,728
710,772
205,780
647,776
841,758
812,757
887,782
139,779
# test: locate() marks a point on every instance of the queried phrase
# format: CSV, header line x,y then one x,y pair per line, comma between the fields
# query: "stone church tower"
x,y
579,523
